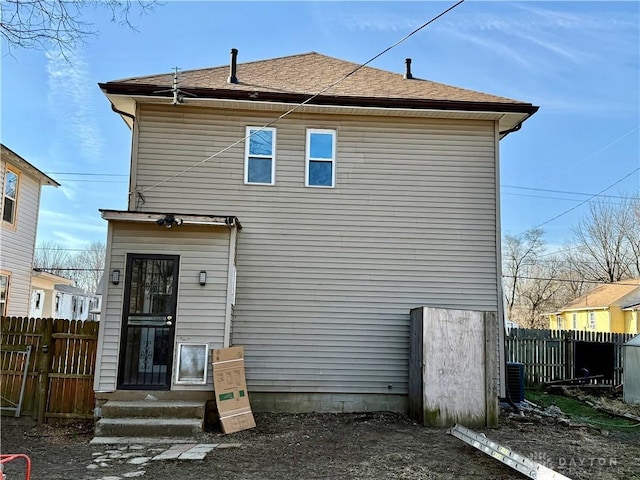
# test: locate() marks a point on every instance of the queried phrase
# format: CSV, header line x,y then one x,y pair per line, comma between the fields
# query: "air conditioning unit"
x,y
515,381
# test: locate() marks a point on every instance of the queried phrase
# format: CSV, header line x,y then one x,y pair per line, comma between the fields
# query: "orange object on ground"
x,y
5,458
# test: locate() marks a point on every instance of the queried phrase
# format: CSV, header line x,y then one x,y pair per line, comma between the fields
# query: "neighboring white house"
x,y
307,241
21,183
56,297
43,293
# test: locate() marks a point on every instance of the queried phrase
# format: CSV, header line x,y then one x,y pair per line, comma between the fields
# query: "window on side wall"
x,y
574,320
320,165
4,293
10,196
260,156
559,320
592,320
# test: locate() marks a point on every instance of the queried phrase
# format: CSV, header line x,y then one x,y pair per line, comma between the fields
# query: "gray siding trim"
x,y
327,277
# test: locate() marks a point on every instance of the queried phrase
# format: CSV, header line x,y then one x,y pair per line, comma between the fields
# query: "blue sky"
x,y
579,61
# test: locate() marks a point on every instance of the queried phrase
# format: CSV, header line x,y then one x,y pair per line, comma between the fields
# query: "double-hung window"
x,y
260,156
574,319
320,165
592,320
10,196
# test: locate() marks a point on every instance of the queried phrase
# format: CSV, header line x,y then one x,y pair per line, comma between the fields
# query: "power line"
x,y
583,202
288,112
573,281
88,174
560,191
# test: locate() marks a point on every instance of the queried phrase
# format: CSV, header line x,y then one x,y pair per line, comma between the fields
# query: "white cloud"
x,y
69,98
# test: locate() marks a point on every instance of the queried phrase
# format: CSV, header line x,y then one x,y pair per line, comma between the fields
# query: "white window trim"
x,y
574,321
14,216
592,321
308,157
272,157
191,380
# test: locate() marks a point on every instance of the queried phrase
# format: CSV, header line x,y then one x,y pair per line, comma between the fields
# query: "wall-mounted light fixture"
x,y
203,277
169,221
115,276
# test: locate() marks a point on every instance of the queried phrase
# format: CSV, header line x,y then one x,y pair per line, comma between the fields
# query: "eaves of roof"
x,y
116,88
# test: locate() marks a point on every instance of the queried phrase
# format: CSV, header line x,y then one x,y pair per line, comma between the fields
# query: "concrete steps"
x,y
156,419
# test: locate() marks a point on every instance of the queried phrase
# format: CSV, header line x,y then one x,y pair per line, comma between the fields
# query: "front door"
x,y
148,322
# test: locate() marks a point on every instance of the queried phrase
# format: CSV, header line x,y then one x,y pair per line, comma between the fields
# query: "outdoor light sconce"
x,y
115,276
169,221
203,278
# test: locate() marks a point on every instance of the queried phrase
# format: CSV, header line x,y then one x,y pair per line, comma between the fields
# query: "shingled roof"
x,y
295,78
605,295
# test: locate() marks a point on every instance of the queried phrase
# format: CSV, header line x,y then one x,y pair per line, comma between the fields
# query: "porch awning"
x,y
171,219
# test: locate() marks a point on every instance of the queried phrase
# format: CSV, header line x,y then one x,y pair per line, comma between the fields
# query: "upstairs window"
x,y
10,196
592,320
260,156
320,166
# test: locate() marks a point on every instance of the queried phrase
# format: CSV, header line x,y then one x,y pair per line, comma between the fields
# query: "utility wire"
x,y
583,202
573,281
560,191
298,106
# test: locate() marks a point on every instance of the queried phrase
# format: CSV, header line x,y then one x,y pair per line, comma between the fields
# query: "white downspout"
x,y
233,236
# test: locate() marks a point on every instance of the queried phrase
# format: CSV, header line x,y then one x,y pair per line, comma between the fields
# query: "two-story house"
x,y
21,185
612,307
301,226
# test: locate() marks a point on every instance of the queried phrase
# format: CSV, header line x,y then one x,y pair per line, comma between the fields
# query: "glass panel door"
x,y
149,319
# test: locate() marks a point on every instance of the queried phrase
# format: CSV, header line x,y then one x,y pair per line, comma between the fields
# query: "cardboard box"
x,y
230,387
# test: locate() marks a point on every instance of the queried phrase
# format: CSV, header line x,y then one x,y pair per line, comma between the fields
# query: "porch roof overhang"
x,y
178,219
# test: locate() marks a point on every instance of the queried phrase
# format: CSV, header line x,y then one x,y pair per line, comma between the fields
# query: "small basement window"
x,y
260,159
320,166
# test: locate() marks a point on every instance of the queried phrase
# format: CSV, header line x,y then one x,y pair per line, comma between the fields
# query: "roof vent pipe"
x,y
232,68
408,74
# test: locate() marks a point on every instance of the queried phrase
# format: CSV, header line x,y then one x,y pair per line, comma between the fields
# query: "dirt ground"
x,y
337,446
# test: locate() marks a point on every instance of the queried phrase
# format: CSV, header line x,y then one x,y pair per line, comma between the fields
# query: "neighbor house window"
x,y
574,320
592,320
559,320
4,293
10,196
260,156
320,166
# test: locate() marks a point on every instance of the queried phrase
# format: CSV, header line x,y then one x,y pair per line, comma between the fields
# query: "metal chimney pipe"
x,y
407,73
232,68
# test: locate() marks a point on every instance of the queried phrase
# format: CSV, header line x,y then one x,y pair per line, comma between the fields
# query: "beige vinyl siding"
x,y
201,309
17,242
326,277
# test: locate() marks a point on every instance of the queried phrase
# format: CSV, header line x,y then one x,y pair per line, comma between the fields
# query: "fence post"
x,y
45,365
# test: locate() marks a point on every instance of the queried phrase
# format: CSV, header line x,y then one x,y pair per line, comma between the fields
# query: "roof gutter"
x,y
295,98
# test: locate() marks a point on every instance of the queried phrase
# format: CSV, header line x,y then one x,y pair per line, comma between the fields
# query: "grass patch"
x,y
579,411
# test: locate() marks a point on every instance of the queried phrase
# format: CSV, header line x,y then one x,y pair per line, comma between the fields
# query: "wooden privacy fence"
x,y
59,381
550,355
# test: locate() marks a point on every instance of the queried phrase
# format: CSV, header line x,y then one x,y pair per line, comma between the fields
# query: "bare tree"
x,y
604,248
58,24
53,258
540,291
91,263
519,254
85,267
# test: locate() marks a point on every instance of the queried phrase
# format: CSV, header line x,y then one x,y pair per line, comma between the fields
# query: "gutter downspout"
x,y
231,281
120,112
504,133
